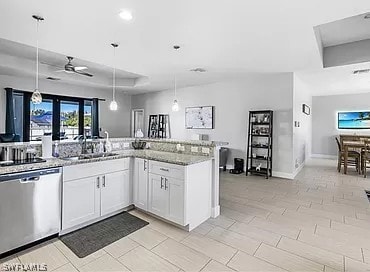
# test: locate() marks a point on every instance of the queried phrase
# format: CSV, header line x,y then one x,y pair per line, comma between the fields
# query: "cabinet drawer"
x,y
167,169
84,170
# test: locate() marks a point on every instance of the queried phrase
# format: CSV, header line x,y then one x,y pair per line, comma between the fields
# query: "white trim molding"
x,y
284,175
215,211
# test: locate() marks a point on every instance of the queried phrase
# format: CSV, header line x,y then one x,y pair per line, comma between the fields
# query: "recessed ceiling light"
x,y
53,78
125,15
367,16
198,70
361,71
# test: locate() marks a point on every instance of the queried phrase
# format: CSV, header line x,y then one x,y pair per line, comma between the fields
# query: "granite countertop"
x,y
171,141
168,157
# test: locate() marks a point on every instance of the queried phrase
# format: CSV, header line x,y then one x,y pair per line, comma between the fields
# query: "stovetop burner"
x,y
21,162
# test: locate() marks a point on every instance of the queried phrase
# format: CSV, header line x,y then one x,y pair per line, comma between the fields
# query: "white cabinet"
x,y
176,198
94,190
141,183
166,198
180,194
81,201
115,192
158,196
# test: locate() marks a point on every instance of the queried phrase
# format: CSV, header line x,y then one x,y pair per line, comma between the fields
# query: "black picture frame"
x,y
306,109
200,107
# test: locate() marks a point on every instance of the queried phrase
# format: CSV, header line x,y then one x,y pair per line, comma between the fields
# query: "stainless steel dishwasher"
x,y
30,207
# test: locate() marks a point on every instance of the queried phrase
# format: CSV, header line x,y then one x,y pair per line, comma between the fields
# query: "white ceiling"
x,y
228,38
346,30
337,80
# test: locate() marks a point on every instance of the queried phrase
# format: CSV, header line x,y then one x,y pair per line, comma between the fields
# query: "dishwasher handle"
x,y
29,179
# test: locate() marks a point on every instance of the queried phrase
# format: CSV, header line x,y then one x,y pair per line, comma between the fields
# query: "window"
x,y
88,118
41,119
59,116
69,115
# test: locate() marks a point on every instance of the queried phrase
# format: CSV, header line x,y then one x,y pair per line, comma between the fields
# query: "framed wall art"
x,y
199,117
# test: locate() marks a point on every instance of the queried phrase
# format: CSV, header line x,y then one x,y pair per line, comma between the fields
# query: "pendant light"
x,y
113,105
175,104
36,97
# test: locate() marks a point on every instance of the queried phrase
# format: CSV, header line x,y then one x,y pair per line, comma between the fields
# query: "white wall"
x,y
302,135
117,123
233,100
324,120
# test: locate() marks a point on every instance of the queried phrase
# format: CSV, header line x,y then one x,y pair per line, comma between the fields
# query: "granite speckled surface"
x,y
168,157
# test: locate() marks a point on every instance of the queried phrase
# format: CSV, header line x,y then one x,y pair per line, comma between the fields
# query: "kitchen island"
x,y
173,180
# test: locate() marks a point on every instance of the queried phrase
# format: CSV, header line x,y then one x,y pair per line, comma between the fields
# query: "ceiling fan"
x,y
70,68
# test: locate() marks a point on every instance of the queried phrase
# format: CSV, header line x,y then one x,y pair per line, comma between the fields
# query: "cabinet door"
x,y
175,190
81,201
115,192
158,196
141,184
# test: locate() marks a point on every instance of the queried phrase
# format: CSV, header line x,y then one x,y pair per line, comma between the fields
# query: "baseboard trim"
x,y
215,211
282,175
296,172
323,156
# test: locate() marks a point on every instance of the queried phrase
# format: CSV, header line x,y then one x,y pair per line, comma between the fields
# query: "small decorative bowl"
x,y
138,145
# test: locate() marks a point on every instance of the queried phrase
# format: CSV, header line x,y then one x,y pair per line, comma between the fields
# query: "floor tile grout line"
x,y
158,243
231,258
306,258
167,259
265,260
204,266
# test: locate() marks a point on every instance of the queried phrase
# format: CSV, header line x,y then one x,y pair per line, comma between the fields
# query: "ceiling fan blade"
x,y
83,73
79,68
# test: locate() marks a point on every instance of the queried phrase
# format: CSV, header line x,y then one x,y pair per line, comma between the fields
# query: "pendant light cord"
x,y
114,73
175,88
37,55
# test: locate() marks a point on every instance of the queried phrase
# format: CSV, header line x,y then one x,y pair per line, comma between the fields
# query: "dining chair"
x,y
354,157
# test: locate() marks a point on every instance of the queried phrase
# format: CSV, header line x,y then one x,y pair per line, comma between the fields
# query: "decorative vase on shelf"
x,y
139,133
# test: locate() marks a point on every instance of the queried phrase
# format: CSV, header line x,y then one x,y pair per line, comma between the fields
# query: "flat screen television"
x,y
354,120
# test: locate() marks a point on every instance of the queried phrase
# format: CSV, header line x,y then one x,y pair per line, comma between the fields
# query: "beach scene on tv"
x,y
354,120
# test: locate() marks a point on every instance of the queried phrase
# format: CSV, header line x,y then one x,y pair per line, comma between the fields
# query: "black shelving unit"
x,y
259,150
159,126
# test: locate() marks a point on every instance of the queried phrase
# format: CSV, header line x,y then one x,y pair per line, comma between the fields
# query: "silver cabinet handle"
x,y
103,181
164,169
98,182
144,165
165,183
161,182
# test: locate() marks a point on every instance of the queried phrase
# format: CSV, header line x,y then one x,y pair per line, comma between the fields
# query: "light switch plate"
x,y
194,149
205,150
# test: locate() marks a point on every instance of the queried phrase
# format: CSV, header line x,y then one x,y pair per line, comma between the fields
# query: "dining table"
x,y
346,144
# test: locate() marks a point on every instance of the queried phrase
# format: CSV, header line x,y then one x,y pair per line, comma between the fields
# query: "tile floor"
x,y
318,222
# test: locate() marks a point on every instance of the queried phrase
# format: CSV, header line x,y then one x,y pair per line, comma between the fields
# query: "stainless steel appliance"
x,y
29,207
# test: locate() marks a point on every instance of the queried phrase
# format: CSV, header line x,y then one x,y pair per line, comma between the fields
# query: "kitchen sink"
x,y
90,156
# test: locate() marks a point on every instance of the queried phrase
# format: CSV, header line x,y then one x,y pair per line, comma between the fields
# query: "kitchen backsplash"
x,y
73,148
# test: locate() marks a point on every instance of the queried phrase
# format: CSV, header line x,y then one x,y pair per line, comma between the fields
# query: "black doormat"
x,y
90,239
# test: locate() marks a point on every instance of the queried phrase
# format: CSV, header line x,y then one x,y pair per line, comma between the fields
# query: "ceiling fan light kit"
x,y
36,97
113,104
